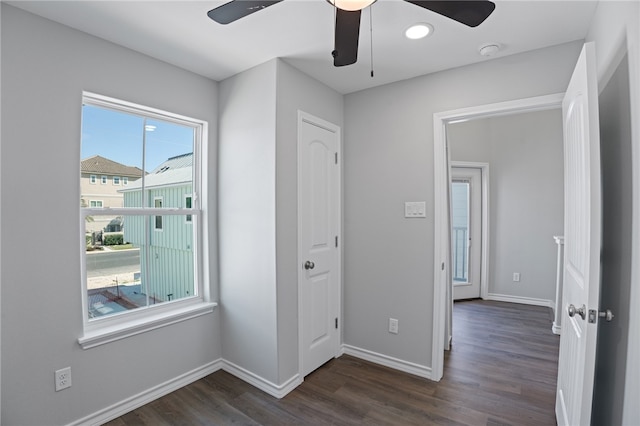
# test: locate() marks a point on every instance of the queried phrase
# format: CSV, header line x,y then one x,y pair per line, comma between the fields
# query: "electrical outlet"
x,y
516,277
63,378
393,325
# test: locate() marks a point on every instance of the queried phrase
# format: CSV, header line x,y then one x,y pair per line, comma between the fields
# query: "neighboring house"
x,y
100,181
170,237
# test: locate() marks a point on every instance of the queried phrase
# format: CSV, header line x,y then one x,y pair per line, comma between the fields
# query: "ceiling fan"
x,y
347,26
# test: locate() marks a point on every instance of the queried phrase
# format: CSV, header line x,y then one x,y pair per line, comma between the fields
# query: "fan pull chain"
x,y
371,36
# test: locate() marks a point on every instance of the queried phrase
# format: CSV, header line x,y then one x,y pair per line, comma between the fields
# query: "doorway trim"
x,y
441,165
484,222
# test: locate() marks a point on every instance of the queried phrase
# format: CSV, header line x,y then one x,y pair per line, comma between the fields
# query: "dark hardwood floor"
x,y
501,371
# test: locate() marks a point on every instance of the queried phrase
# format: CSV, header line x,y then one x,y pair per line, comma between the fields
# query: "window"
x,y
158,280
460,230
93,179
103,180
157,203
187,205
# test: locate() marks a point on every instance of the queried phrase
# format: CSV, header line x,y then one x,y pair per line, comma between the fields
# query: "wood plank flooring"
x,y
501,371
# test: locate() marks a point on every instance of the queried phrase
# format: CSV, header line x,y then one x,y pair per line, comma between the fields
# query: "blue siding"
x,y
169,252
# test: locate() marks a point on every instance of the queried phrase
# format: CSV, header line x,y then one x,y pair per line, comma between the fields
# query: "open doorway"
x,y
443,152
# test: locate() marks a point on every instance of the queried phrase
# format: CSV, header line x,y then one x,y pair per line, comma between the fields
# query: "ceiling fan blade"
x,y
237,9
347,34
471,13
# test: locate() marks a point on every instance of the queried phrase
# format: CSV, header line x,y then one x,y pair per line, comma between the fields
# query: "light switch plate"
x,y
415,209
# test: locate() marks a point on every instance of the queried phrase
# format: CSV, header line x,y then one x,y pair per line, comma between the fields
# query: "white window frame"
x,y
113,180
104,179
96,202
93,179
188,219
99,331
155,218
125,181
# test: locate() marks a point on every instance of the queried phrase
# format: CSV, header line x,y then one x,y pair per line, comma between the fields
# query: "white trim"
x,y
117,326
129,404
388,361
155,218
440,190
519,299
93,179
188,218
104,179
102,335
277,391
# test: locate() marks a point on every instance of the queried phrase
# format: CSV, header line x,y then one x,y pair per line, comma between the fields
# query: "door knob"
x,y
309,265
580,311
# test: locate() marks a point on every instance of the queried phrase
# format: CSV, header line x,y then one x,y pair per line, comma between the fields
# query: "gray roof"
x,y
177,162
101,165
176,170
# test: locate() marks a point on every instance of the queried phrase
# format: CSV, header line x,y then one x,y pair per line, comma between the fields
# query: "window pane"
x,y
131,268
460,231
187,204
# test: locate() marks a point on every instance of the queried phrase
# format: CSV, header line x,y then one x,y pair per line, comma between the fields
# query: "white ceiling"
x,y
301,32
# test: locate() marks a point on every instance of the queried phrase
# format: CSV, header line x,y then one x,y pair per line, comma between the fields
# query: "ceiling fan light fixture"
x,y
418,31
351,5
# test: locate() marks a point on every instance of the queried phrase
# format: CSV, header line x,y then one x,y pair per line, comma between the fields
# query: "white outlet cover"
x,y
63,378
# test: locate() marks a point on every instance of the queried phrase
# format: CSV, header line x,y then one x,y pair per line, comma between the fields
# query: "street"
x,y
112,262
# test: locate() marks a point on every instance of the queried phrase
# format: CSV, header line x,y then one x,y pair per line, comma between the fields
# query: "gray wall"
x,y
388,154
525,156
616,30
45,67
295,91
617,196
247,216
258,213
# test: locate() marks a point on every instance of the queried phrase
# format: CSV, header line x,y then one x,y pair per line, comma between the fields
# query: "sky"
x,y
118,136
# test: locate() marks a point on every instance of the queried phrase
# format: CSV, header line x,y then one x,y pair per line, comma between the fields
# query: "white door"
x,y
582,227
466,231
318,240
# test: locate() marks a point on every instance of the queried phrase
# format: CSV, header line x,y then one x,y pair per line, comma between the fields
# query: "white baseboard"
x,y
261,383
519,299
387,361
149,395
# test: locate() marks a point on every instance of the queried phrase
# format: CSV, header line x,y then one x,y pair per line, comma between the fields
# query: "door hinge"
x,y
336,157
336,323
336,241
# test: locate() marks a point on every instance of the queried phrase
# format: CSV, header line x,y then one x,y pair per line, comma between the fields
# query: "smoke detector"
x,y
489,49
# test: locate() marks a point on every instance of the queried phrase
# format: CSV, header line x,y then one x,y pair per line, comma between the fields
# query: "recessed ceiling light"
x,y
418,31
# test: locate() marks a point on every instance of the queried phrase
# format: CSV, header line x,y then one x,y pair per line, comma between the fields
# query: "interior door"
x,y
466,231
318,240
582,227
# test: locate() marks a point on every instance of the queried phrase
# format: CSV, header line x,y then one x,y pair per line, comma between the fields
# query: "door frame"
x,y
311,119
442,257
484,222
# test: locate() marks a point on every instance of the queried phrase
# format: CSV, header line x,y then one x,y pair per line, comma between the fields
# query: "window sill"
x,y
116,332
